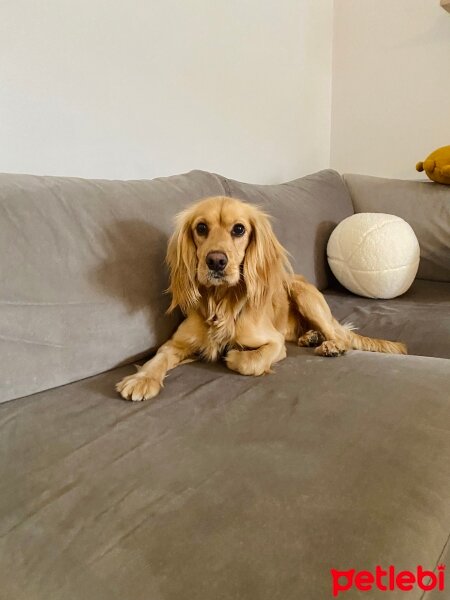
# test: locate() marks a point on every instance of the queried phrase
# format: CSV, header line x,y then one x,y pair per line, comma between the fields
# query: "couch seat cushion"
x,y
226,486
420,317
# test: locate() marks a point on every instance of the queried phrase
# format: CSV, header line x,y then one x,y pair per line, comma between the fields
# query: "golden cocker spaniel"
x,y
232,279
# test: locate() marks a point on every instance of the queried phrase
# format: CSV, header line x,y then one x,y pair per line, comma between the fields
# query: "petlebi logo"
x,y
387,580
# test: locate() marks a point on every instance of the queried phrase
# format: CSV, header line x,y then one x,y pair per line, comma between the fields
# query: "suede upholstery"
x,y
424,205
224,487
420,318
82,264
83,274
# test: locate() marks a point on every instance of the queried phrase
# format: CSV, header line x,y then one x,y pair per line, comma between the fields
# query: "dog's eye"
x,y
238,230
202,229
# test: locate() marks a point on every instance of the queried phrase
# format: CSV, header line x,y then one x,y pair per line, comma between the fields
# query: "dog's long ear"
x,y
266,262
182,261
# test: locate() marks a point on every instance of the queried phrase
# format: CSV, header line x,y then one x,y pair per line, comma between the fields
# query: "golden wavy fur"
x,y
232,279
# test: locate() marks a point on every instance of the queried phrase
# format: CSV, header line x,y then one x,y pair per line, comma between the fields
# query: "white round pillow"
x,y
374,255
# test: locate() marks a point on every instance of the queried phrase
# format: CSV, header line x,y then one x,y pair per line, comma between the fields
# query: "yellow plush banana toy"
x,y
437,165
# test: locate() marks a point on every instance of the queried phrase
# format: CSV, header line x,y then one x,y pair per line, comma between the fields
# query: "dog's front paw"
x,y
246,362
138,387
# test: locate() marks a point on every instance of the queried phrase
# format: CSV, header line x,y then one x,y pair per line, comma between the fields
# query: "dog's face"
x,y
221,231
218,243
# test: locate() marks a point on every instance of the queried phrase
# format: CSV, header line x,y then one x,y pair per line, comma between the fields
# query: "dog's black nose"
x,y
216,261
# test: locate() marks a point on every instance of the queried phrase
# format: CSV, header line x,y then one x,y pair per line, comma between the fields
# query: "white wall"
x,y
142,88
391,85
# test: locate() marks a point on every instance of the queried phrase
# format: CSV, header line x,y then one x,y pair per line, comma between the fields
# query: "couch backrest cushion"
x,y
82,273
424,205
82,264
305,213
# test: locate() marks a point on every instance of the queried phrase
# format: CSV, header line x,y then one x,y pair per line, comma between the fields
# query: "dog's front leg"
x,y
257,361
147,382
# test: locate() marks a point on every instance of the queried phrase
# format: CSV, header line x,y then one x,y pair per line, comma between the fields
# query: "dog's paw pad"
x,y
330,348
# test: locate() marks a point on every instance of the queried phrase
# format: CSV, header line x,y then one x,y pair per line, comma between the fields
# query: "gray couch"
x,y
224,487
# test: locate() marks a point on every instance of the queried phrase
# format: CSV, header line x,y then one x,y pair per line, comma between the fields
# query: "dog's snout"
x,y
216,261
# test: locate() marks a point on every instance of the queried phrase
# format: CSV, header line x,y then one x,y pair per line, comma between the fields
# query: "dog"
x,y
232,280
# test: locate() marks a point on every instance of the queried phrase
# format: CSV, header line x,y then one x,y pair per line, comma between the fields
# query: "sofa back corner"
x,y
425,205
